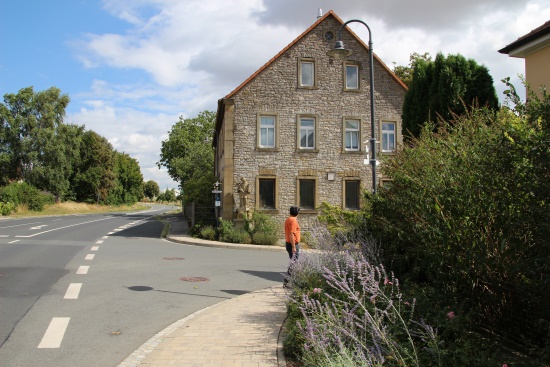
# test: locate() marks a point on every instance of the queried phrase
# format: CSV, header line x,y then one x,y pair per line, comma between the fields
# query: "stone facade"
x,y
275,91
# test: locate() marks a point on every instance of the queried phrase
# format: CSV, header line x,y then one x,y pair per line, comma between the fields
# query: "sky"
x,y
132,68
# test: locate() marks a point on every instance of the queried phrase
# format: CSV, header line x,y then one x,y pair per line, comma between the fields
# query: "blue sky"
x,y
132,68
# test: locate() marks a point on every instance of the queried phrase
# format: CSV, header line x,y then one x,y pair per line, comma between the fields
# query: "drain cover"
x,y
194,279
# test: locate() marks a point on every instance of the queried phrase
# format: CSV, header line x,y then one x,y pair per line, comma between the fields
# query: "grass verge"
x,y
69,207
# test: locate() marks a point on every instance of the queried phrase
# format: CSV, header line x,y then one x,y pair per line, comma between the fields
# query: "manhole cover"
x,y
140,288
174,258
194,279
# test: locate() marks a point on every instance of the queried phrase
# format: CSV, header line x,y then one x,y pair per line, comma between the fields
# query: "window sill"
x,y
307,151
271,150
268,211
352,152
309,211
353,90
307,87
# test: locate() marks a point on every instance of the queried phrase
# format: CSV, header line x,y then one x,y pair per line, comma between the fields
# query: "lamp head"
x,y
339,52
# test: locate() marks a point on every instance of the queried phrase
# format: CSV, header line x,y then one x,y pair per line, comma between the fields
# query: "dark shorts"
x,y
289,250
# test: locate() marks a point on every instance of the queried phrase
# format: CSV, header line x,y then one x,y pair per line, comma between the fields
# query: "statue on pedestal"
x,y
243,188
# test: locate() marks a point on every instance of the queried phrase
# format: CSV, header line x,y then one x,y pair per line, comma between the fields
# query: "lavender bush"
x,y
357,315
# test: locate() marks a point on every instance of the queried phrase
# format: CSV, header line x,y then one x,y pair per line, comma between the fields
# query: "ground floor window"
x,y
352,192
266,191
306,192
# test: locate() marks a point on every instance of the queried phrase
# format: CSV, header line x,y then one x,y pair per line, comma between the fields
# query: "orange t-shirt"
x,y
292,228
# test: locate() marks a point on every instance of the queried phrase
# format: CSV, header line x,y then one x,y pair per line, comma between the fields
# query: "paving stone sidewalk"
x,y
241,332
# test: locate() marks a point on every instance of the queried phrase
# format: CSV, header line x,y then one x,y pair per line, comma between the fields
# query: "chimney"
x,y
320,14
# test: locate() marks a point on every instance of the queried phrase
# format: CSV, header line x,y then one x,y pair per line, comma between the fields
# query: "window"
x,y
307,193
351,194
266,192
267,131
307,133
352,76
352,135
307,73
388,136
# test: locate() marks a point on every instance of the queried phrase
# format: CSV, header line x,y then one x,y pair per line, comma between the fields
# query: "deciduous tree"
x,y
189,158
151,189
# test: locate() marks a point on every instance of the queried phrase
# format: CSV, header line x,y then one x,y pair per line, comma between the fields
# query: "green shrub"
x,y
225,229
208,233
6,208
265,239
240,235
23,193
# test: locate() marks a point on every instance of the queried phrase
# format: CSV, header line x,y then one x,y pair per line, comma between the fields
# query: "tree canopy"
x,y
189,158
38,148
151,189
445,88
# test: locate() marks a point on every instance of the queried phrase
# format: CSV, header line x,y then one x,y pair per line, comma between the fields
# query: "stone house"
x,y
534,47
296,131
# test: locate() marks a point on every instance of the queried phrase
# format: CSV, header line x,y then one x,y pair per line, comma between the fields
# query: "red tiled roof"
x,y
534,34
330,13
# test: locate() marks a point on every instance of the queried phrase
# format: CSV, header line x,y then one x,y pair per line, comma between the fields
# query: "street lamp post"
x,y
340,52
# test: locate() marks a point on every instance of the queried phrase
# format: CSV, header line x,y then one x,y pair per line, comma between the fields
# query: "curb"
x,y
187,240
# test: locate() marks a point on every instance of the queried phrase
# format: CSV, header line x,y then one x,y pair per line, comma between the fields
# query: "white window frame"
x,y
352,132
264,129
357,80
307,129
385,134
302,75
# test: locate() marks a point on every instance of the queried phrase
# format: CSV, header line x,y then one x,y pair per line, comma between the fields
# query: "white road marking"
x,y
20,225
14,241
55,332
73,291
104,237
89,257
4,235
95,248
72,225
82,270
99,242
38,227
111,233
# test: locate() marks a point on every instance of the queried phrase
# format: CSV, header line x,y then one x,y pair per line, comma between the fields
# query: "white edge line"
x,y
72,225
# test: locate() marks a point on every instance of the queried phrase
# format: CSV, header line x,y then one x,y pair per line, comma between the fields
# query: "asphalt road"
x,y
88,290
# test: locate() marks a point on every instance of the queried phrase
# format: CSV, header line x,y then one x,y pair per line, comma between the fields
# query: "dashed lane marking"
x,y
55,332
89,257
73,291
83,270
95,248
14,241
99,242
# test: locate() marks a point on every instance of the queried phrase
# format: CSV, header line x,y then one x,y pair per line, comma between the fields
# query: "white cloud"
x,y
194,52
